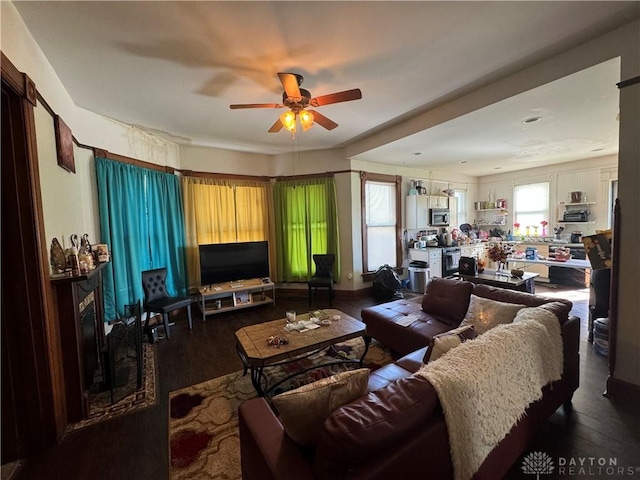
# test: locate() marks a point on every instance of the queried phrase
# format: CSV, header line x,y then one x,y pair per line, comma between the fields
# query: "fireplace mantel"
x,y
79,307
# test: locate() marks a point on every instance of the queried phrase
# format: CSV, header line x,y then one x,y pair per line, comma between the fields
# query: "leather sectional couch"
x,y
398,429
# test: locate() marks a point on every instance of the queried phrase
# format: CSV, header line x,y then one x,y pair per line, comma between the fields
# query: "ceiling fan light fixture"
x,y
306,119
288,120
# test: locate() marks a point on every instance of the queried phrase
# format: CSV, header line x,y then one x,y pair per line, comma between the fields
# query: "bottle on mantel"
x,y
74,262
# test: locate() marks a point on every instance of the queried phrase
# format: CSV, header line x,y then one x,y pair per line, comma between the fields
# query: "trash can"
x,y
418,276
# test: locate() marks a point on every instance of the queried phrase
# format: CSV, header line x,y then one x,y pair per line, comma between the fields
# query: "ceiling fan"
x,y
298,100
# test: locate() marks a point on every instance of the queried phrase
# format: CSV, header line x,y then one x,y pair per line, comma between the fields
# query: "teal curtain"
x,y
142,222
306,223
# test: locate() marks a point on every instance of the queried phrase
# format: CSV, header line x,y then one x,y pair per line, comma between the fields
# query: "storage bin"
x,y
601,336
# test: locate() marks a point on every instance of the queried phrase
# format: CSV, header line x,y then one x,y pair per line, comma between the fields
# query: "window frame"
x,y
517,211
397,182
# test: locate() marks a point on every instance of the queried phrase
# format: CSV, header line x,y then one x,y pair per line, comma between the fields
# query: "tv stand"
x,y
227,296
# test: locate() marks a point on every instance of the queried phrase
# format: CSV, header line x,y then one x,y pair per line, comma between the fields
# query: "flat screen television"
x,y
230,262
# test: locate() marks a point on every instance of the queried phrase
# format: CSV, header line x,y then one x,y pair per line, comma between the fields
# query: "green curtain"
x,y
142,222
306,223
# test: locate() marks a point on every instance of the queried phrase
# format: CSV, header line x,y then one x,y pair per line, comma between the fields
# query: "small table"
x,y
256,354
490,277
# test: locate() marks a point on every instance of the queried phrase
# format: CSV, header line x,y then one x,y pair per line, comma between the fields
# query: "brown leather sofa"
x,y
398,430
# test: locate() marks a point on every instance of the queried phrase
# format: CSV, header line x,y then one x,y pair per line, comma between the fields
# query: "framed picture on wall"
x,y
64,145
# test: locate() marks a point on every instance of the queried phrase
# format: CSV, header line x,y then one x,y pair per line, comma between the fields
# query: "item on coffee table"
x,y
291,316
276,341
516,272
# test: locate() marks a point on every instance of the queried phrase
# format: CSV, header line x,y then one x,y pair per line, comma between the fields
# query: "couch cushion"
x,y
384,324
385,375
485,314
413,361
447,299
303,410
527,299
441,344
374,424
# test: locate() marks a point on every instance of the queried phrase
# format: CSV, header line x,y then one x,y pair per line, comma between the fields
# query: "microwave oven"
x,y
439,217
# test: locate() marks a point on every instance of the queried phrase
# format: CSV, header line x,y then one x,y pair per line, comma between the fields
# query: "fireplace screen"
x,y
123,372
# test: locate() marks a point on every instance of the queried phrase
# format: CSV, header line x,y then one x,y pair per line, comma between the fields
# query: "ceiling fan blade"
x,y
276,127
322,120
290,84
255,105
338,97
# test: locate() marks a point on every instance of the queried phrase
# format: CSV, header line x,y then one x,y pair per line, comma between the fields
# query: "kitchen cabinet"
x,y
416,212
431,255
417,209
438,202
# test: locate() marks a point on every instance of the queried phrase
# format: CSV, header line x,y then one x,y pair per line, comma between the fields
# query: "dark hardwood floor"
x,y
136,445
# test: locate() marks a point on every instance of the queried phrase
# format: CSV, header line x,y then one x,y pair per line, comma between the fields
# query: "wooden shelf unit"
x,y
260,293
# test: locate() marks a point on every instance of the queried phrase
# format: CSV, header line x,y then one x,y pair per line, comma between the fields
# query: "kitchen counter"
x,y
581,264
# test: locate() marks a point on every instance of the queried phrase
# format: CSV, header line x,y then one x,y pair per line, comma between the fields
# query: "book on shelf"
x,y
241,298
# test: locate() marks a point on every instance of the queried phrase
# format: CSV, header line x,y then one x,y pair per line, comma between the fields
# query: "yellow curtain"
x,y
222,211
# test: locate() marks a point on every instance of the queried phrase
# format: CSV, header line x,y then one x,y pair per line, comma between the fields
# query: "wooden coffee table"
x,y
256,354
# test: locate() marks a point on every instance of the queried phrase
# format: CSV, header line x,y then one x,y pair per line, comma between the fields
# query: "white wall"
x,y
591,176
70,200
216,160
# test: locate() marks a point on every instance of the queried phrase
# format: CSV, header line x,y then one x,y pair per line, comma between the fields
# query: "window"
x,y
531,205
461,206
306,223
380,227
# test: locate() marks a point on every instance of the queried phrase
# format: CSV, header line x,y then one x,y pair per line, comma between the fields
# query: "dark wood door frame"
x,y
32,399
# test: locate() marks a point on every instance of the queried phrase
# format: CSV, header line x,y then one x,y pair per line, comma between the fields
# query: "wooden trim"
x,y
613,292
628,82
223,176
621,390
309,176
42,350
11,75
45,104
131,161
377,177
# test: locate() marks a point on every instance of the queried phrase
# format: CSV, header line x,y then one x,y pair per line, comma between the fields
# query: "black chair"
x,y
157,300
323,277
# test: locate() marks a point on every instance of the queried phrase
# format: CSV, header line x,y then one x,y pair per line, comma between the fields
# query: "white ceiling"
x,y
175,67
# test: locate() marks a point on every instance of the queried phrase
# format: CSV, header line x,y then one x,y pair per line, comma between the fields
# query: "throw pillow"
x,y
443,342
485,314
303,410
447,299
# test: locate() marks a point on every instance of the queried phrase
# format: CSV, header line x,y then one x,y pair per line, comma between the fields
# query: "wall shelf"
x,y
577,223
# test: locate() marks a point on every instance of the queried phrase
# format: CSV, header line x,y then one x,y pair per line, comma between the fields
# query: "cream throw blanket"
x,y
485,384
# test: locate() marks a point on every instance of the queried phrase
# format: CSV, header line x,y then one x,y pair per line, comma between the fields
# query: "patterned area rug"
x,y
203,419
100,407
